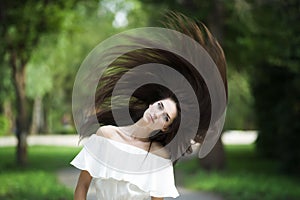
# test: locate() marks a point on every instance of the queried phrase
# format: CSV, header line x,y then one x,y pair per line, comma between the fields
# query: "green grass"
x,y
247,177
38,179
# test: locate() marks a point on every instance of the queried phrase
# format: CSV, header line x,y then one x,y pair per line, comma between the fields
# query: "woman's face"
x,y
160,114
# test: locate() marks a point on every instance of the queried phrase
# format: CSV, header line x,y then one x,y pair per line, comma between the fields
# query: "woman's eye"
x,y
166,119
160,107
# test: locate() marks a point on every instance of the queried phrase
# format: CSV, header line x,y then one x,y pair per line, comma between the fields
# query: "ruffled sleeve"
x,y
105,158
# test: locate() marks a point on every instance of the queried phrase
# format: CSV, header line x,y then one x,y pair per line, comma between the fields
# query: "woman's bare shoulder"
x,y
108,131
159,150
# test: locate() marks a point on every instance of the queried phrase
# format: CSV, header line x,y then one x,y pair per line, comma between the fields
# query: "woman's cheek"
x,y
160,124
146,117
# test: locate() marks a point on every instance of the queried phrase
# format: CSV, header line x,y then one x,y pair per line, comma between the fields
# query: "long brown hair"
x,y
149,93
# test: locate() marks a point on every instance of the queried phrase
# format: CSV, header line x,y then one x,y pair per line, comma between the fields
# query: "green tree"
x,y
6,99
239,113
23,23
90,24
60,55
264,41
276,80
39,82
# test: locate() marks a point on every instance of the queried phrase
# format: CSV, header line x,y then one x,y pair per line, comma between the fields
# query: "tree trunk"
x,y
21,116
21,128
216,159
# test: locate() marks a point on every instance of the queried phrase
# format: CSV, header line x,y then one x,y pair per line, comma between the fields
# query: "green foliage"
x,y
84,28
240,114
24,22
32,185
278,38
248,176
69,129
258,34
277,108
4,125
39,81
6,85
38,180
26,26
275,80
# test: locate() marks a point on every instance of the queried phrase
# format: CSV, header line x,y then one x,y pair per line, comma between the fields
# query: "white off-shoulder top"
x,y
122,171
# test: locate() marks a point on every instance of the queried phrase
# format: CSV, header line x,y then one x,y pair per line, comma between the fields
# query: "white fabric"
x,y
122,171
112,189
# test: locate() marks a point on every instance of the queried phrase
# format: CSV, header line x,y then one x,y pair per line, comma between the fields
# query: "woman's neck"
x,y
137,131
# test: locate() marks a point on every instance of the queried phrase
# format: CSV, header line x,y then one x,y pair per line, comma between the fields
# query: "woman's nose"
x,y
157,114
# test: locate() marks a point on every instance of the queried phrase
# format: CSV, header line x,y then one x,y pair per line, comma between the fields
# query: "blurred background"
x,y
44,42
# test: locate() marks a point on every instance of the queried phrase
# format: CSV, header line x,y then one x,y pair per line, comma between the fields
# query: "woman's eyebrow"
x,y
164,108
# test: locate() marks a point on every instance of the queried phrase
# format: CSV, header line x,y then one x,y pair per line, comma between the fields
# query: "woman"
x,y
134,160
159,116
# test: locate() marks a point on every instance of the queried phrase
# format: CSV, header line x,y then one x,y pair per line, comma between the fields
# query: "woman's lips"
x,y
151,118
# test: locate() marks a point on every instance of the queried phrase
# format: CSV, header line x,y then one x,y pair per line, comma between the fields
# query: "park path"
x,y
228,137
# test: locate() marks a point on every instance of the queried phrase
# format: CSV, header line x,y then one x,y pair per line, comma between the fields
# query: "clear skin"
x,y
158,116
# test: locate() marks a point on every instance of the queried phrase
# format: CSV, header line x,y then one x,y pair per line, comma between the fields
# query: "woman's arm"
x,y
157,198
83,185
